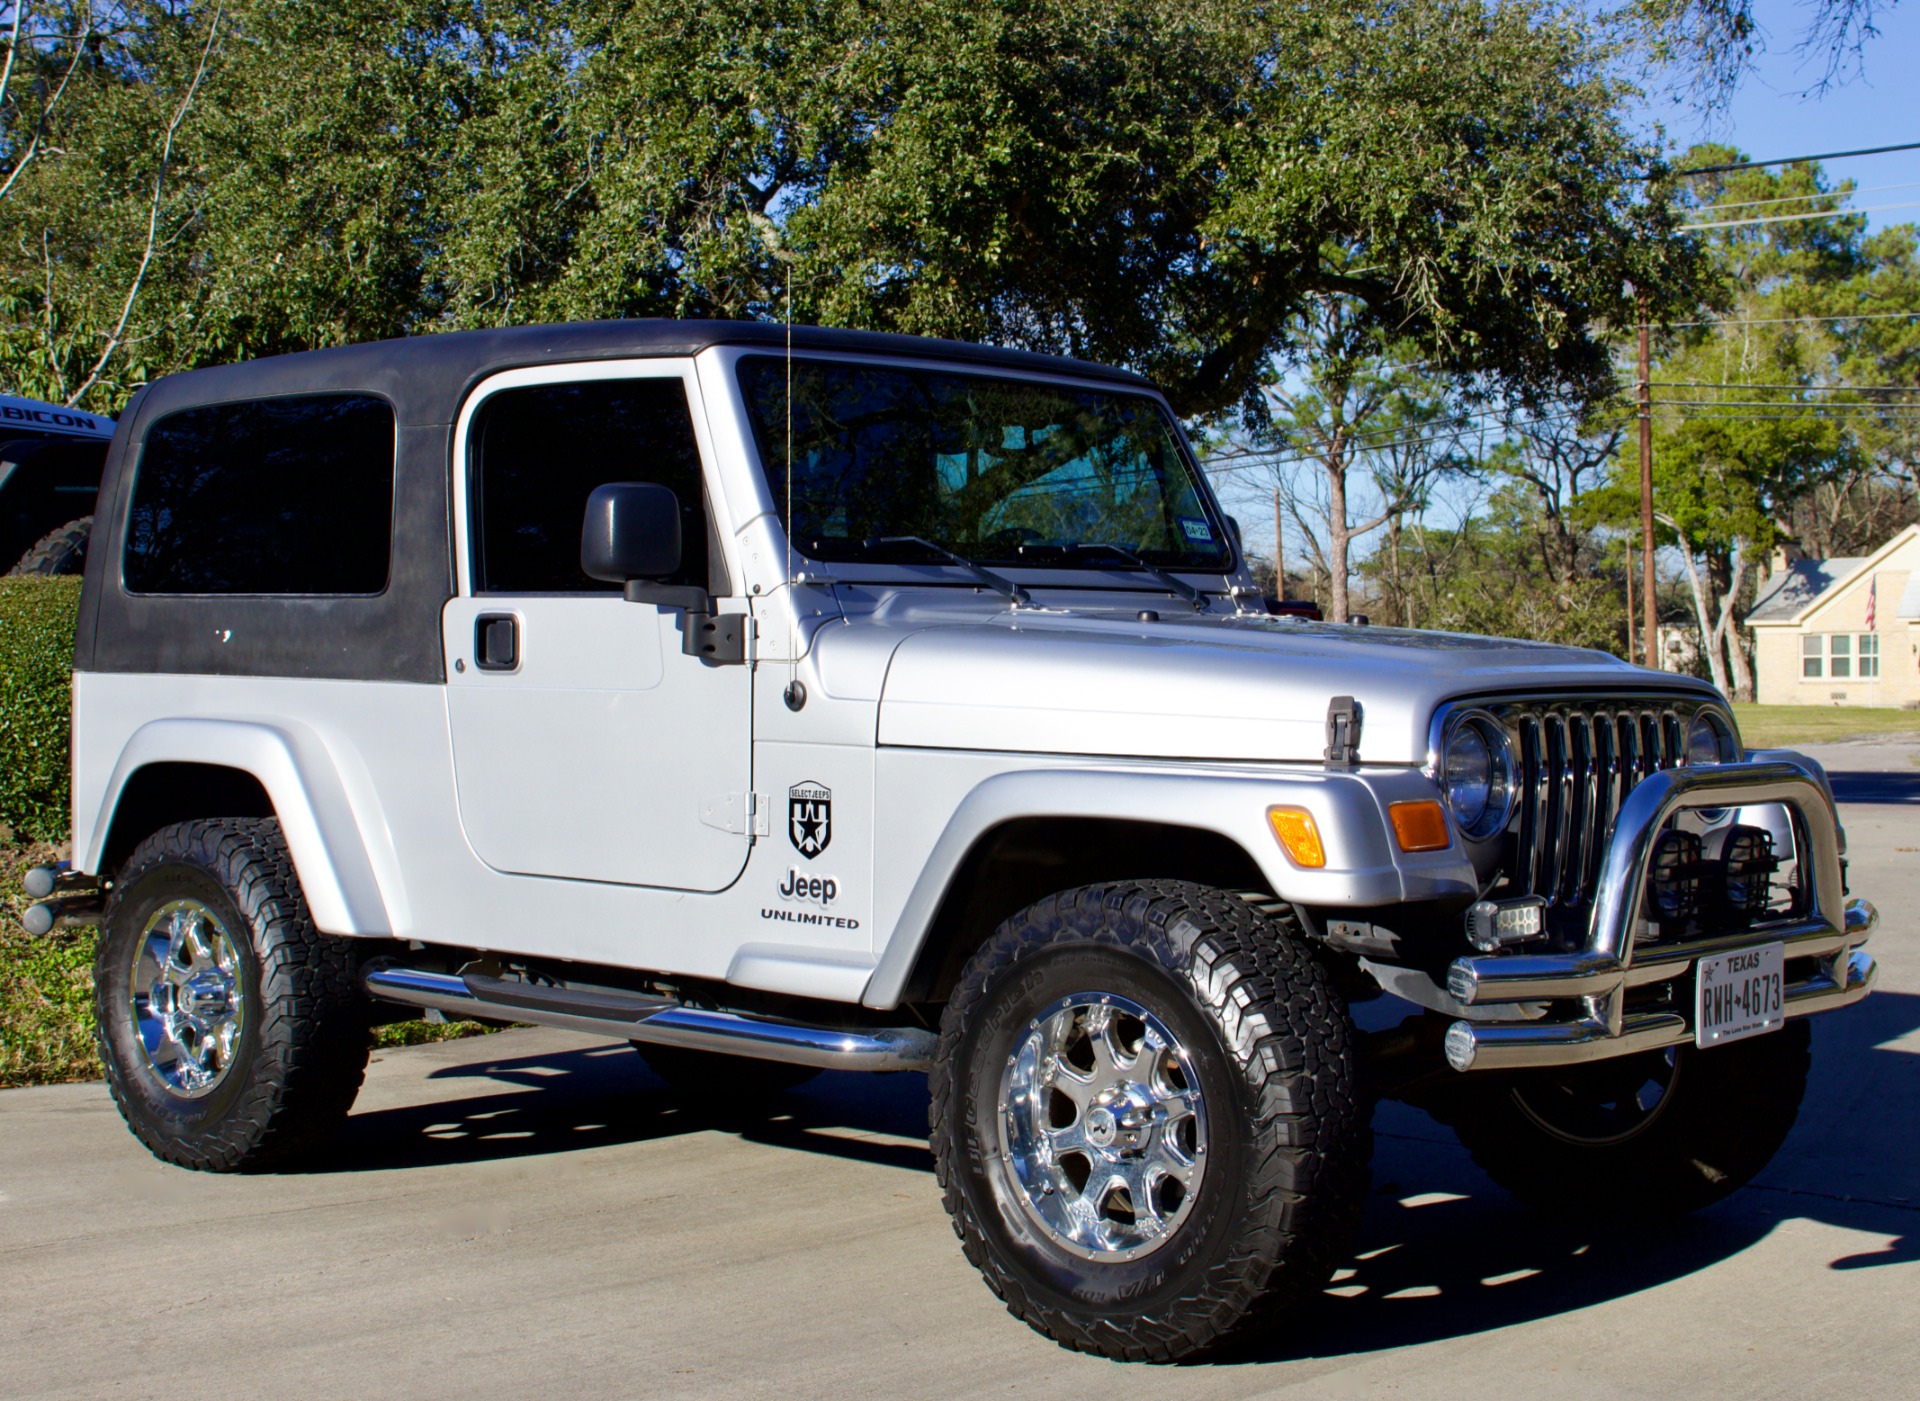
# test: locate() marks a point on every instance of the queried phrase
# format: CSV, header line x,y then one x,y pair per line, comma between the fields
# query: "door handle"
x,y
496,642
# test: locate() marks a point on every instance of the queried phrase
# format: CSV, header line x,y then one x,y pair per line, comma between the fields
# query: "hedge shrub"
x,y
36,671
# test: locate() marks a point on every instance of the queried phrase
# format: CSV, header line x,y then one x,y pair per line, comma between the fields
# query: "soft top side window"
x,y
539,451
287,496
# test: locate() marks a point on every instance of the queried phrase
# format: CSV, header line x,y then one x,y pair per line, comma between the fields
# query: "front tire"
x,y
1146,1121
233,1032
1646,1137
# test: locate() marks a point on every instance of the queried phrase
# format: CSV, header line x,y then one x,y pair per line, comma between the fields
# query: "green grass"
x,y
1764,726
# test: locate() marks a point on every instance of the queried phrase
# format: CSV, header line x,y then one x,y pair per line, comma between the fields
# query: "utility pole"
x,y
1279,553
1632,645
1650,631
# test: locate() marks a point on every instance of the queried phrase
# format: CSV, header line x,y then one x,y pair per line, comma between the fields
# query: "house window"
x,y
1812,656
1869,656
1840,657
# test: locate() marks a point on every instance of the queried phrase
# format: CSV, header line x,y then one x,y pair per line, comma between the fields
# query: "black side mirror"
x,y
631,531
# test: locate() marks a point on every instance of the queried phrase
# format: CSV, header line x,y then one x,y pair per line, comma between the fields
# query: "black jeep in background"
x,y
50,460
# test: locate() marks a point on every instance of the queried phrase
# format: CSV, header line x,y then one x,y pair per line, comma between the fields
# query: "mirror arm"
x,y
691,597
713,636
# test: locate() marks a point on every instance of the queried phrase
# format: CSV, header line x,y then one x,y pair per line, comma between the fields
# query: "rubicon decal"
x,y
810,818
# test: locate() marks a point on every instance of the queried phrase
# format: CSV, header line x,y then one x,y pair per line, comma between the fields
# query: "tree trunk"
x,y
1337,536
1730,632
1703,614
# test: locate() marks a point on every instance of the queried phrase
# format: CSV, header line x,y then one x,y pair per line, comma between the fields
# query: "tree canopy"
x,y
1163,185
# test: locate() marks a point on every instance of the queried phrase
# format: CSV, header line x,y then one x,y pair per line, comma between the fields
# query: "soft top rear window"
x,y
285,496
1000,470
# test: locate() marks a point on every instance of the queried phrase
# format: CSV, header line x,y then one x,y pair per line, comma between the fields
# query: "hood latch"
x,y
1343,732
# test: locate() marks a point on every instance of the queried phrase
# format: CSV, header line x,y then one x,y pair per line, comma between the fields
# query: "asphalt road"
x,y
530,1214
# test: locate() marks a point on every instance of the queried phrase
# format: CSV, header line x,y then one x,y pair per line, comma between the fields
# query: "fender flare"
x,y
304,783
1350,808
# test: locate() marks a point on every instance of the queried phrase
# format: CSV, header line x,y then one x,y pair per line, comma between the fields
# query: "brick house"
x,y
1841,631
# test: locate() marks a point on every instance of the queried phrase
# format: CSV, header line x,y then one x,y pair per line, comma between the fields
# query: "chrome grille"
x,y
1578,758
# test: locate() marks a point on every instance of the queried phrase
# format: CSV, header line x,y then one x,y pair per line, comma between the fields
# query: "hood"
x,y
1100,681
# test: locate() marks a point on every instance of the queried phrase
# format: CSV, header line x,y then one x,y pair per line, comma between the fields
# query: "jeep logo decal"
x,y
810,818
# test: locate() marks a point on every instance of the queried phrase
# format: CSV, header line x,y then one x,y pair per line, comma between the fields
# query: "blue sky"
x,y
1771,114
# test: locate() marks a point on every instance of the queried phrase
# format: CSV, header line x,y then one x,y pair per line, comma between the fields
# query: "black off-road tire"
x,y
303,1043
1724,1115
717,1079
1289,1138
62,551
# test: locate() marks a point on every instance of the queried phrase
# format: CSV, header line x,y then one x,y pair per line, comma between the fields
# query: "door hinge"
x,y
722,638
743,814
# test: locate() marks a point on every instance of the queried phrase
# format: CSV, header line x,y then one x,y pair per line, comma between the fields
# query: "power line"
x,y
1797,218
1789,388
1776,404
1794,320
1795,160
1723,205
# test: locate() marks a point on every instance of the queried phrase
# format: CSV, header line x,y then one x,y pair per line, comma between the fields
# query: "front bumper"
x,y
1564,1008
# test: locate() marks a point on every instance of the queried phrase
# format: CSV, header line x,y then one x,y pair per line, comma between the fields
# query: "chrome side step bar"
x,y
638,1017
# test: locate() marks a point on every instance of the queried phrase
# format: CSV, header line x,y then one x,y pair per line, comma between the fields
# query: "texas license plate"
x,y
1739,994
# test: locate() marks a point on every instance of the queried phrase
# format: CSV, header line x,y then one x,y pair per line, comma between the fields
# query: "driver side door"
x,y
586,744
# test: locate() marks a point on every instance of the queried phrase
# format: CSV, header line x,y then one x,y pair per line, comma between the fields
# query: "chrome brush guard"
x,y
1572,1006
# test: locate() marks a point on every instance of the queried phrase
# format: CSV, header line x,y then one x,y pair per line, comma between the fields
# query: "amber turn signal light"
x,y
1420,826
1298,835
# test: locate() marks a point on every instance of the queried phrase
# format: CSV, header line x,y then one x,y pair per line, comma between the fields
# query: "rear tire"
x,y
1640,1138
62,551
720,1079
234,1034
1146,1119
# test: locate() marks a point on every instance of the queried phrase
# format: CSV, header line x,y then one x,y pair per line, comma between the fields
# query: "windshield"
x,y
1002,471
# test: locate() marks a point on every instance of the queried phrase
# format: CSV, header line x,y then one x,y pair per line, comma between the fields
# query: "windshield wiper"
x,y
1006,588
1180,588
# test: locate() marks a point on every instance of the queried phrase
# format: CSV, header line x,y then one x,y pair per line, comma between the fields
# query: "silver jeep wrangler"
x,y
781,701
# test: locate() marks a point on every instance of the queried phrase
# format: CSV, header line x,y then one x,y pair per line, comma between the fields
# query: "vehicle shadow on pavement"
x,y
1860,786
557,1103
1444,1253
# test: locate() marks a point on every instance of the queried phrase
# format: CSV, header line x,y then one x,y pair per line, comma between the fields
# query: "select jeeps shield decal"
x,y
810,818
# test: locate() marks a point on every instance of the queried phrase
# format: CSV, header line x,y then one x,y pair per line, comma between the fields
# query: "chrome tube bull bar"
x,y
1598,976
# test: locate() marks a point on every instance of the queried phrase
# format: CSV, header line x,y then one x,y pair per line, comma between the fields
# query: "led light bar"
x,y
1494,924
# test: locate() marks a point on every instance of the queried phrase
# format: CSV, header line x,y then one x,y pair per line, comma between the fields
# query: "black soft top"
x,y
395,636
427,376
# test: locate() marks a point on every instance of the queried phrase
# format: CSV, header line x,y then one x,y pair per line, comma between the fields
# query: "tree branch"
x,y
153,217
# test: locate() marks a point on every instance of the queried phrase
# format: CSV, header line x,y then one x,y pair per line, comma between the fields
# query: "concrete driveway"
x,y
530,1214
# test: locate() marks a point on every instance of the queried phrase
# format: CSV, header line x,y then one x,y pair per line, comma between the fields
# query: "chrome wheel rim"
x,y
186,998
1105,1128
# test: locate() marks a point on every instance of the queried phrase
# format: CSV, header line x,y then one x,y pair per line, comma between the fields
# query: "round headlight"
x,y
1708,741
1477,777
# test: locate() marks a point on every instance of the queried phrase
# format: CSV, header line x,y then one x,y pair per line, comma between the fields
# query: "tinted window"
x,y
540,451
1000,470
265,496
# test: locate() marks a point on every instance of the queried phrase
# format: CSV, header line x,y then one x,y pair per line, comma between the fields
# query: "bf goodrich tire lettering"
x,y
297,1029
1286,1141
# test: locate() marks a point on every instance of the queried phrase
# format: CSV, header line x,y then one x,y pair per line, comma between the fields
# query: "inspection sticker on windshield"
x,y
1196,529
1740,994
